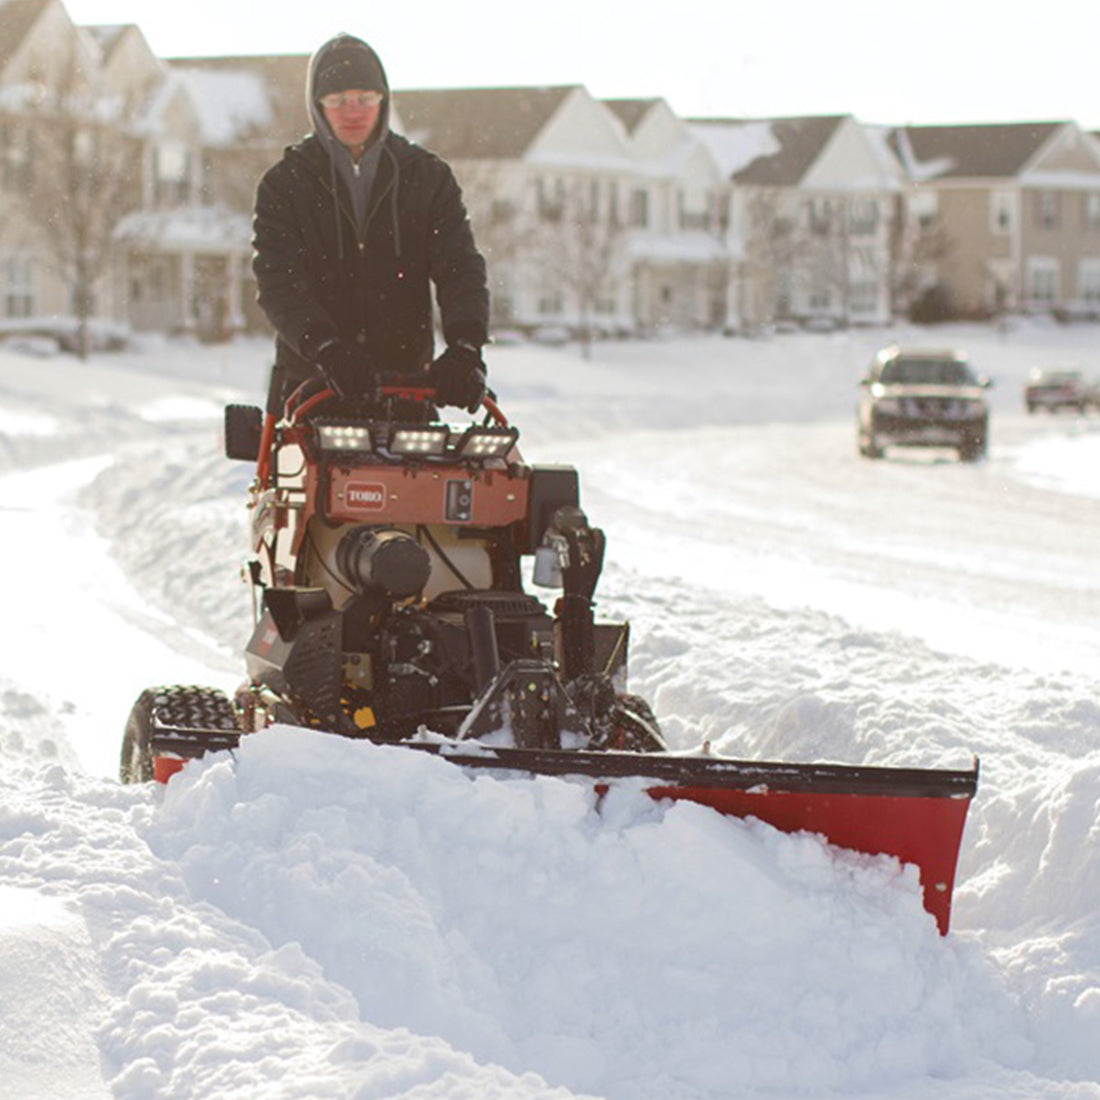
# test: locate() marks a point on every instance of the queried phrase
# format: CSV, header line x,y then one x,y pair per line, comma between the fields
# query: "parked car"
x,y
923,397
1058,389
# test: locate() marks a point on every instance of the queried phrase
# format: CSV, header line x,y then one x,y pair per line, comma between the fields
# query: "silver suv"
x,y
922,397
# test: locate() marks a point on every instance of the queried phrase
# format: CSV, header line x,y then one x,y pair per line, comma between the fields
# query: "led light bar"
x,y
488,442
419,441
343,437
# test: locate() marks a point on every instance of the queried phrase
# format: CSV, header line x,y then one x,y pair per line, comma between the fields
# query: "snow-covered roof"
x,y
231,104
688,246
194,229
736,144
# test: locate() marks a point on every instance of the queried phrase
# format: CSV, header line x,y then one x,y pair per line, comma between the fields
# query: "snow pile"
x,y
521,923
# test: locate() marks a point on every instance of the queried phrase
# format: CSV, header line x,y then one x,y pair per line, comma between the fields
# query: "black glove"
x,y
458,376
347,370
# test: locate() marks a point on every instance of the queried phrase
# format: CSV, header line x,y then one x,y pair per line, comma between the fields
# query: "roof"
x,y
972,151
16,19
282,78
107,35
630,112
796,144
231,106
478,123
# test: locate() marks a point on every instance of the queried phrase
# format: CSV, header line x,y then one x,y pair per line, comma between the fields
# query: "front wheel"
x,y
869,447
136,763
179,706
635,727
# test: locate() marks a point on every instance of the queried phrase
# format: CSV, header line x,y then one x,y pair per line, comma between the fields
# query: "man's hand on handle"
x,y
458,376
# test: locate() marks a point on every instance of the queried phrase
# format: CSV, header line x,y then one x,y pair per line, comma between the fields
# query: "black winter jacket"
x,y
320,279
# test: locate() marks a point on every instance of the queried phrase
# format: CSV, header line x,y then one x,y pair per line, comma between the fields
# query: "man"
x,y
352,228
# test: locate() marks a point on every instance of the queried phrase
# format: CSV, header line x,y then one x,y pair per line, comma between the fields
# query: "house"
x,y
681,262
215,125
813,210
102,183
40,50
553,191
1016,208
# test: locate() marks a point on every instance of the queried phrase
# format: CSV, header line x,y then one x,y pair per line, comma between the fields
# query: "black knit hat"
x,y
349,63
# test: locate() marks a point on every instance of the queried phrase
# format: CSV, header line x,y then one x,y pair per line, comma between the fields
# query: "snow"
x,y
737,143
313,918
230,105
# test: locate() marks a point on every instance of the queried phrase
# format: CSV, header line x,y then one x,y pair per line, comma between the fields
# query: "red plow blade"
x,y
914,814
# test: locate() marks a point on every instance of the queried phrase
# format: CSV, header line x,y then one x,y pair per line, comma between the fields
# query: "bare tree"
x,y
771,250
504,230
86,176
581,240
919,246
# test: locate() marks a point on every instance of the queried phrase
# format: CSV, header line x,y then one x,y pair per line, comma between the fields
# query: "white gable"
x,y
850,161
583,133
1070,160
666,145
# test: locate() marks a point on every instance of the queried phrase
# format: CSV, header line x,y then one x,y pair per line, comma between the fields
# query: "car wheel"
x,y
973,448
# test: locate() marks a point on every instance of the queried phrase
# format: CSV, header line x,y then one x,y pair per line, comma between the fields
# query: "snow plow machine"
x,y
389,553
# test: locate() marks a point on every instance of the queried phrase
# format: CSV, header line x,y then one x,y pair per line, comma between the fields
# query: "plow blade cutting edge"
x,y
913,814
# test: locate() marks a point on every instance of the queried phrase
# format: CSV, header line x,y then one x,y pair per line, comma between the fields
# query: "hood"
x,y
317,116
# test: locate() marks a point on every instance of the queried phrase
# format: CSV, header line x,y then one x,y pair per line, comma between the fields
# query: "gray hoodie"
x,y
359,178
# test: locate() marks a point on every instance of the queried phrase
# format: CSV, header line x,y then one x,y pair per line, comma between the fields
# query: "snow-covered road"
x,y
787,599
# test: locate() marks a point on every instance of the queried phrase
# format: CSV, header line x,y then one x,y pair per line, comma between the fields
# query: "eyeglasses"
x,y
337,100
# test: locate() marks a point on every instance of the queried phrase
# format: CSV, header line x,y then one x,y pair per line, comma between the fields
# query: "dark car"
x,y
1058,389
922,397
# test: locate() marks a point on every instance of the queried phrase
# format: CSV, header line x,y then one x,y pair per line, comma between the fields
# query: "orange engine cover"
x,y
429,495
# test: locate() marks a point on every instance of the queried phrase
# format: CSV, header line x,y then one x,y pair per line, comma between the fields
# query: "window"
x,y
1092,210
1002,211
550,199
15,168
1046,209
17,281
638,214
172,172
863,217
694,209
1042,281
1088,279
594,200
819,213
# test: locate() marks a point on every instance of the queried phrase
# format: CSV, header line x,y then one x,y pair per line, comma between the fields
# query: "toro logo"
x,y
367,495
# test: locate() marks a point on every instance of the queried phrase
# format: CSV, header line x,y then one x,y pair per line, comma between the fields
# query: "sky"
x,y
942,61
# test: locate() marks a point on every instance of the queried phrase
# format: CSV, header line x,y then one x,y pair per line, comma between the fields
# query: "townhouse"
x,y
597,217
1012,214
814,208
